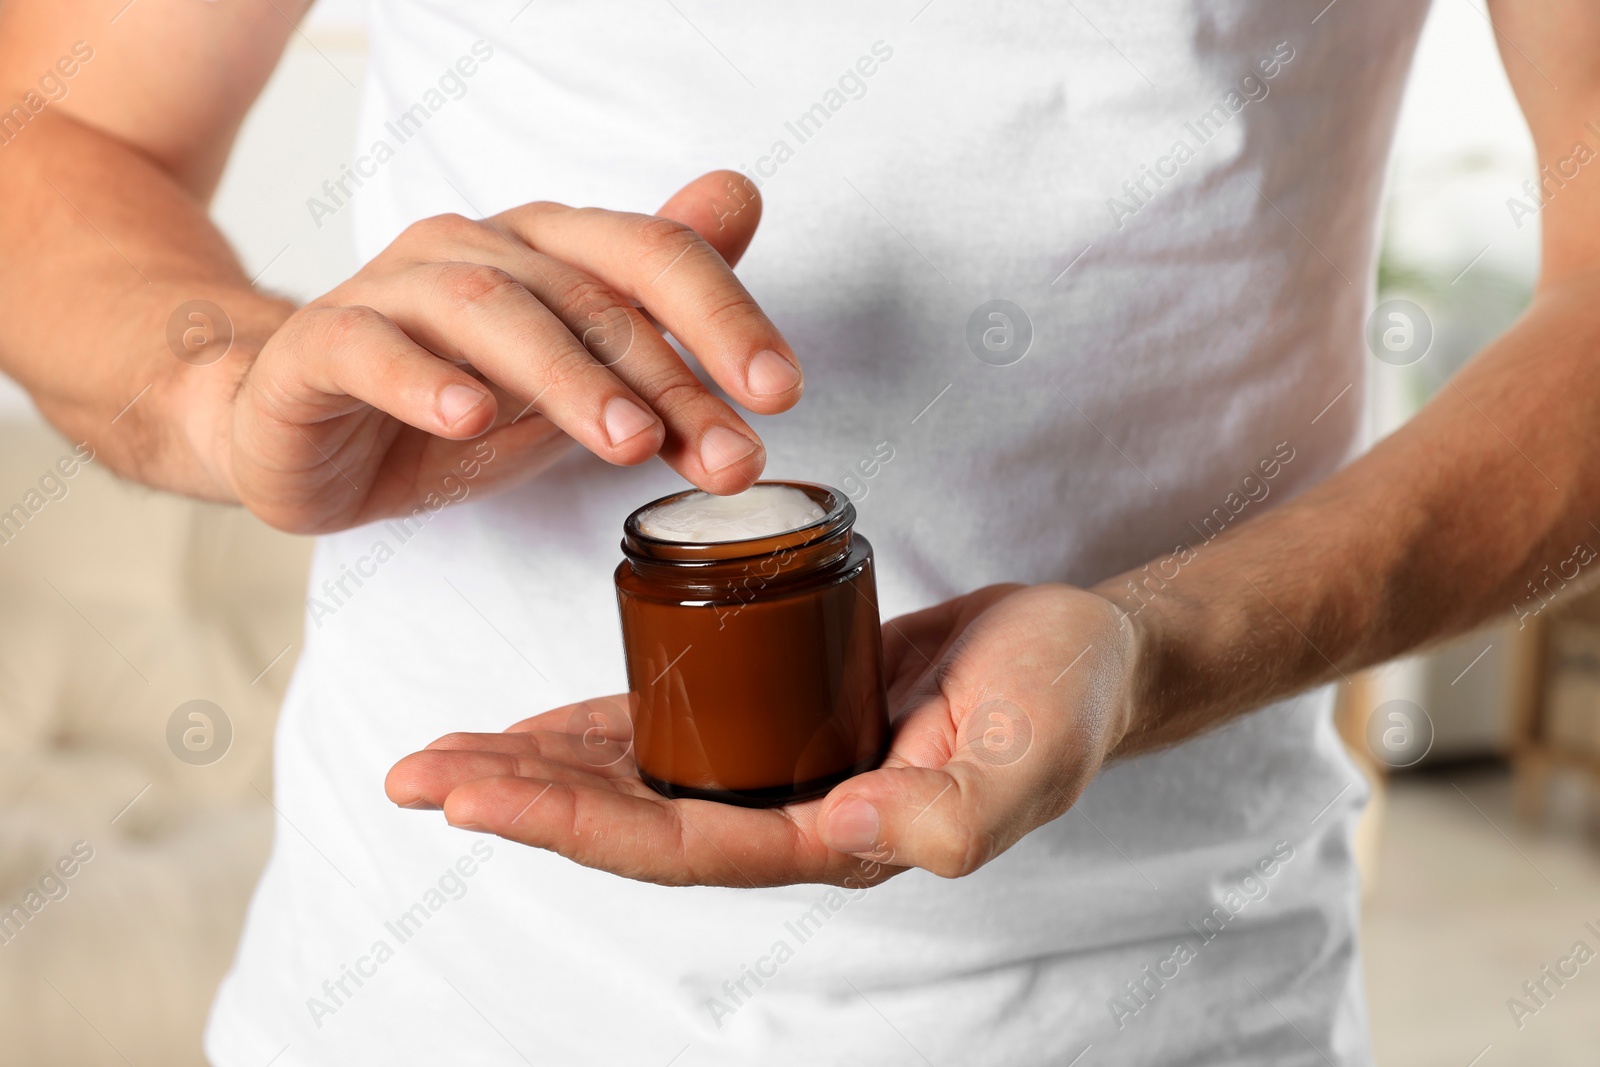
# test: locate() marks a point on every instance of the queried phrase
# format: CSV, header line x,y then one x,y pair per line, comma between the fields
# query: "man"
x,y
1176,205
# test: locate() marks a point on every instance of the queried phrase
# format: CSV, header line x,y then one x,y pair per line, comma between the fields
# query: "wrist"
x,y
1142,707
201,388
1151,713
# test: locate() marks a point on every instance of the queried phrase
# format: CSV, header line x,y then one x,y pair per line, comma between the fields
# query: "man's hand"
x,y
1007,702
536,327
526,326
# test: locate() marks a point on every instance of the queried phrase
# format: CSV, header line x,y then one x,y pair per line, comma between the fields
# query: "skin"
x,y
345,410
1007,700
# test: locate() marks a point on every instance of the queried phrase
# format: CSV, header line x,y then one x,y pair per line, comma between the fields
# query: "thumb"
x,y
723,206
949,820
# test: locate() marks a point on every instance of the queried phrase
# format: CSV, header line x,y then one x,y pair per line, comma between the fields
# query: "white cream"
x,y
760,511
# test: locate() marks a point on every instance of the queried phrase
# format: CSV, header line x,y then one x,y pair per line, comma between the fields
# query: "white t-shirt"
x,y
1181,197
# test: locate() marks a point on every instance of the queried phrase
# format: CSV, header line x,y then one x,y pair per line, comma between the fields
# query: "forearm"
x,y
1440,526
98,247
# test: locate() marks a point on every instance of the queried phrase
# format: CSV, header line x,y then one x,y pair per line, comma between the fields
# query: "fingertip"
x,y
464,411
391,787
773,381
399,788
723,206
726,485
729,461
850,825
461,807
633,432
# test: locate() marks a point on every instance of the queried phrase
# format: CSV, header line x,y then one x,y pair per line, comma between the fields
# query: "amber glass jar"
x,y
755,667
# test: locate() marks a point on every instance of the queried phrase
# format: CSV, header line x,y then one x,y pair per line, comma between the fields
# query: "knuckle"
x,y
532,211
437,229
664,237
562,369
581,296
675,397
338,328
964,851
538,746
609,332
728,308
969,862
467,284
953,865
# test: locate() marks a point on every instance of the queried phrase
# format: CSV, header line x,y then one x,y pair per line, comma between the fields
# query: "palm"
x,y
544,783
566,780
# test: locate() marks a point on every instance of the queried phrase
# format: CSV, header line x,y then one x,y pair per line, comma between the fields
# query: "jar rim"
x,y
838,514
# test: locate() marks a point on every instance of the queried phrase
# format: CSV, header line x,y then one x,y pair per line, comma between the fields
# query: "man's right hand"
x,y
536,327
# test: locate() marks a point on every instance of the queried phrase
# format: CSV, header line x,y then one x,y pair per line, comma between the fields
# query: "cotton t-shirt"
x,y
1174,204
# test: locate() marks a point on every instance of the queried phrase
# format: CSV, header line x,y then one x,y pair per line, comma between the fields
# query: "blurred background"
x,y
124,607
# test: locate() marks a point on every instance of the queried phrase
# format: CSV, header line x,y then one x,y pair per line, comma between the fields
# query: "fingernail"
x,y
456,402
852,827
771,374
721,447
420,805
625,419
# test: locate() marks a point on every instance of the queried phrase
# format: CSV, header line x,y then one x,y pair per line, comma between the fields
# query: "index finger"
x,y
673,273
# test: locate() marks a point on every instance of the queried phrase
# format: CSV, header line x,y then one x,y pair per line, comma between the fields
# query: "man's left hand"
x,y
1007,701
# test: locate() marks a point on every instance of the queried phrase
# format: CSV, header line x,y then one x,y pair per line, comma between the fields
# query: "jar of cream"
x,y
750,629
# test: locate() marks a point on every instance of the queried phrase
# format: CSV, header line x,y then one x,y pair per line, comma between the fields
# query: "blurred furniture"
x,y
120,604
1556,707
